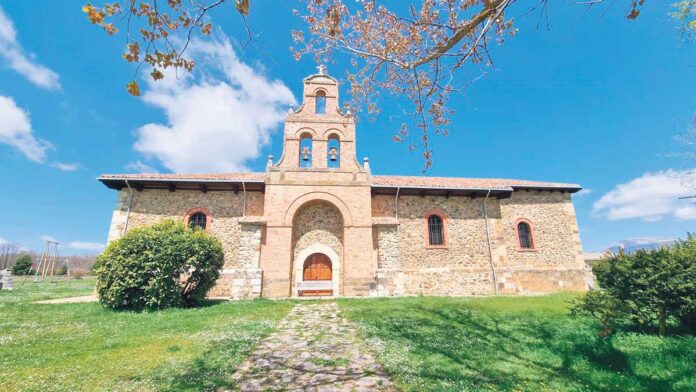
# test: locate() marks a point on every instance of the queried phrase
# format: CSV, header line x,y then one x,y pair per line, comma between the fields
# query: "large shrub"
x,y
160,266
647,288
22,265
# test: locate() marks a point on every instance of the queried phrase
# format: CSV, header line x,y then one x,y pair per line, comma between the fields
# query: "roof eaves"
x,y
572,188
444,188
195,180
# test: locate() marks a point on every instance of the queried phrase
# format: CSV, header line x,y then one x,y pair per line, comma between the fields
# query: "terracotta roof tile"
x,y
465,183
386,181
186,177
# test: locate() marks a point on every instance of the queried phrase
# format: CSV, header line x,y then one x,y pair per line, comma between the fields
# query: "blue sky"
x,y
596,100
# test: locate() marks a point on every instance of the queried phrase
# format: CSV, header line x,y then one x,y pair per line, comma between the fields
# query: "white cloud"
x,y
82,245
584,192
141,167
650,197
19,61
15,130
66,166
216,121
3,241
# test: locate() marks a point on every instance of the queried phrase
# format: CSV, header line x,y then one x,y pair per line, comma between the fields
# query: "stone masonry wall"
x,y
465,229
386,239
553,229
556,262
408,266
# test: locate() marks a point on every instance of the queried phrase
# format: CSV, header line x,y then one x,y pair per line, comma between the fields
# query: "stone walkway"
x,y
314,349
69,300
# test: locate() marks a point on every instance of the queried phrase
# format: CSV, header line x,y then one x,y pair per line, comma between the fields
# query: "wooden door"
x,y
317,267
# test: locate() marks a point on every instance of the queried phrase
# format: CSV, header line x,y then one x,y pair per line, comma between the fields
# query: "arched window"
x,y
198,217
320,103
436,234
524,235
306,150
198,220
333,152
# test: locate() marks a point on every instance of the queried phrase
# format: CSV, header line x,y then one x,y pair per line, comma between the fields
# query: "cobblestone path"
x,y
314,349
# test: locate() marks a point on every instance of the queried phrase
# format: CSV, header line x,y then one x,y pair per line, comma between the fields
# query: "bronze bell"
x,y
333,154
305,153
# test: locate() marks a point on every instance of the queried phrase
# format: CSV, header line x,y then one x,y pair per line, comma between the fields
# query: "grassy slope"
x,y
86,347
514,344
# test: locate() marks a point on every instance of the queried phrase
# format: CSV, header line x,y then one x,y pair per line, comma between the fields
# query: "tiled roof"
x,y
186,177
465,183
377,181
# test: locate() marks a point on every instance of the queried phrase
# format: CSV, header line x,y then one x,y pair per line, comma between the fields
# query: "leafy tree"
x,y
602,306
685,252
160,266
645,287
685,14
22,265
414,49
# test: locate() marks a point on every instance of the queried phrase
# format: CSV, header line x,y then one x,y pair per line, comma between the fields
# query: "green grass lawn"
x,y
86,347
514,344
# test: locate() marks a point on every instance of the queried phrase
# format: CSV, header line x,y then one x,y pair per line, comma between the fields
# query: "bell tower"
x,y
318,170
319,136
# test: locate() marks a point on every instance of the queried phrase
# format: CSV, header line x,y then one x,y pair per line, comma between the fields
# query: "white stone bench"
x,y
315,285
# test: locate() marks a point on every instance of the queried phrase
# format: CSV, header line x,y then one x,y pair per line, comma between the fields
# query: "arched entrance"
x,y
317,275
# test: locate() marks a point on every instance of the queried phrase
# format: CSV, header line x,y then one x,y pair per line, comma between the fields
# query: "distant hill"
x,y
633,244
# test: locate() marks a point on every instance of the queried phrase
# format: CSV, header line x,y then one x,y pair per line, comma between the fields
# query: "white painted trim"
x,y
335,266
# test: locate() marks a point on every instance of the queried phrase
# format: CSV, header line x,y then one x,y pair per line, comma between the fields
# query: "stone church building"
x,y
318,222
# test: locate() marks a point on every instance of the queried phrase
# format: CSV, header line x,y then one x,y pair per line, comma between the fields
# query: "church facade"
x,y
317,222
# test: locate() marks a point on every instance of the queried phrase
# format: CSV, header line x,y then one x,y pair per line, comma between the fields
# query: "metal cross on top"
x,y
322,69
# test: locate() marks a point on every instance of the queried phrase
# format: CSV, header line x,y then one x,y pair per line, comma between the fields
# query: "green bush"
x,y
650,288
602,306
22,265
160,266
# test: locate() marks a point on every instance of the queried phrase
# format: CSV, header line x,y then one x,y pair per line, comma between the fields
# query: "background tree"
x,y
647,288
408,49
685,14
8,253
22,265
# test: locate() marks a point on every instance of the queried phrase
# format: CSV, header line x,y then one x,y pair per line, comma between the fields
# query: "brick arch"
x,y
194,210
310,131
318,197
532,235
335,131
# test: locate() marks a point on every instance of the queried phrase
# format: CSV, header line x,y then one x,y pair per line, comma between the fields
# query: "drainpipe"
x,y
130,204
488,237
396,202
245,198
